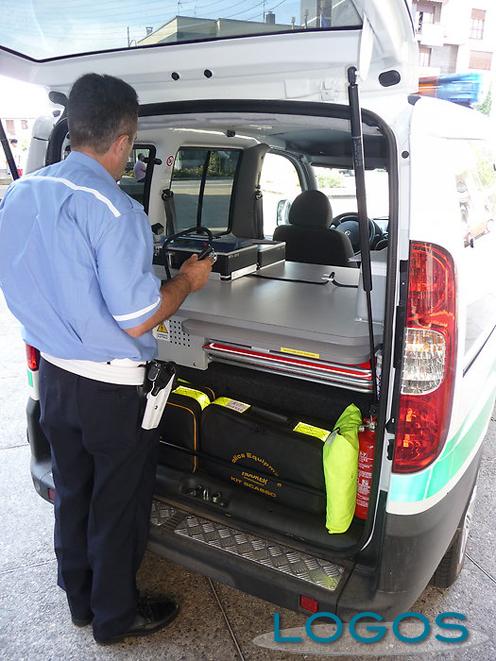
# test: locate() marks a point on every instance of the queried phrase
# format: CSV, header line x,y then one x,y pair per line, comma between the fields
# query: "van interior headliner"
x,y
320,140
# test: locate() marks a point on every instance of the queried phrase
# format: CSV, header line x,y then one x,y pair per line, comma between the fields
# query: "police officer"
x,y
76,270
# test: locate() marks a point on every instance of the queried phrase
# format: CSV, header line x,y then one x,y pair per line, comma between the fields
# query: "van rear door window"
x,y
202,183
44,29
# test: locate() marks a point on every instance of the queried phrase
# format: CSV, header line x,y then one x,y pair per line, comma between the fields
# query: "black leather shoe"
x,y
152,614
82,621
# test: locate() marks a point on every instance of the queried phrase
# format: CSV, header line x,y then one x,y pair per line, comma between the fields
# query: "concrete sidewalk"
x,y
216,622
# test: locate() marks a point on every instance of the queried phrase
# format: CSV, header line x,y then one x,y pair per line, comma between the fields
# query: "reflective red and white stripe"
x,y
358,376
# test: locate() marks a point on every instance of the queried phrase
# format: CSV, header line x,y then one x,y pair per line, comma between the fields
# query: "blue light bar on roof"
x,y
462,88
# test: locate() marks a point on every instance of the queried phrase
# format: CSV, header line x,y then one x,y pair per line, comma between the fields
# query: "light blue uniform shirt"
x,y
76,263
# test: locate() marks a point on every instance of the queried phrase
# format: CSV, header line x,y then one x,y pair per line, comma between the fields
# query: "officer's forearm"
x,y
173,292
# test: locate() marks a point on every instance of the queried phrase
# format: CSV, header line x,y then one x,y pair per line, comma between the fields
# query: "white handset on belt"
x,y
161,375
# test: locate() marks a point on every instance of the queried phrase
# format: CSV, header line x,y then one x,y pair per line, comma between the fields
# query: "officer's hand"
x,y
197,271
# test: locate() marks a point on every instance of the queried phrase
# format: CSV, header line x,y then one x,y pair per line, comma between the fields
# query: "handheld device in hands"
x,y
184,234
208,252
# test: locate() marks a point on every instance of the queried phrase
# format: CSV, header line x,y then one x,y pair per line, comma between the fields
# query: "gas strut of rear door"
x,y
359,168
8,153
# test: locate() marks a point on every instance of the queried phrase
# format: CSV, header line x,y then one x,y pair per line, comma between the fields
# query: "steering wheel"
x,y
348,223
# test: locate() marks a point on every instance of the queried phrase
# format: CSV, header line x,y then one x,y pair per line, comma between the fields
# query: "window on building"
x,y
202,183
425,56
449,58
478,20
10,126
480,60
427,13
24,124
424,18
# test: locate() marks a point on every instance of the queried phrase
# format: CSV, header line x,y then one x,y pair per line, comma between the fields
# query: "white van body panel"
x,y
437,129
440,132
308,65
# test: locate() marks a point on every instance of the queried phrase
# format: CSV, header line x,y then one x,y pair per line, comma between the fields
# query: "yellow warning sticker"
x,y
232,404
162,331
298,352
200,396
310,430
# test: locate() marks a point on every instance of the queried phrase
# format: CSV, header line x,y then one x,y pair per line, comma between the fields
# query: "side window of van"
x,y
202,182
280,184
476,188
136,177
475,181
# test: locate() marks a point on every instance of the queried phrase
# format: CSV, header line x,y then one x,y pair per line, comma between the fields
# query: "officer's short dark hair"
x,y
100,109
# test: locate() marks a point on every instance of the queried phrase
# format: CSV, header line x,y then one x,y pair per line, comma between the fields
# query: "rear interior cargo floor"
x,y
251,511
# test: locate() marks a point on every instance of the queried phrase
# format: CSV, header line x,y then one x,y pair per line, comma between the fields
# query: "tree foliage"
x,y
486,106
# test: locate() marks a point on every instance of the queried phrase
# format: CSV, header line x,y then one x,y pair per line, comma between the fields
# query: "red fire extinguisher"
x,y
366,447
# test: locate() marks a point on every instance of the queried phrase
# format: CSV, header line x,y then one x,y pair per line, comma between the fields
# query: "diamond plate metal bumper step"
x,y
274,556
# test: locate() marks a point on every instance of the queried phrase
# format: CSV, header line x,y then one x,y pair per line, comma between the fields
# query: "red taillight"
x,y
33,357
309,604
428,359
51,494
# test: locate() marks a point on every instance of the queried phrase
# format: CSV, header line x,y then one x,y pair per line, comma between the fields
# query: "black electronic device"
x,y
269,252
208,252
234,257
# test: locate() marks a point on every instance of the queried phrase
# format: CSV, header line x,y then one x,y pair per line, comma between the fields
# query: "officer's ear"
x,y
122,143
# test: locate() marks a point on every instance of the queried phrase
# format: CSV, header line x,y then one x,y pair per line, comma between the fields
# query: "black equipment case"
x,y
261,451
181,426
269,252
235,257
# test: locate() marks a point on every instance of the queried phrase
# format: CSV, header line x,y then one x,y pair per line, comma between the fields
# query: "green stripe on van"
x,y
419,486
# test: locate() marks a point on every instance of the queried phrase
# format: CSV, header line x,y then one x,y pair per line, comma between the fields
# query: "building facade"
x,y
456,36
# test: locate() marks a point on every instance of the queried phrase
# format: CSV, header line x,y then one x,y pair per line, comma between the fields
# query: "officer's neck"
x,y
106,160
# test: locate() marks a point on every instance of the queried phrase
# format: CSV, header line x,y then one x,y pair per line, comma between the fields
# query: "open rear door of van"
x,y
294,50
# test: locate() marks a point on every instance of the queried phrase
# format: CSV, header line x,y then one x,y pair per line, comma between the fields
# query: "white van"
x,y
240,119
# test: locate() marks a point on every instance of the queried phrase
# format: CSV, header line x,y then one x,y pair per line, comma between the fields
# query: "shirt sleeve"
x,y
124,256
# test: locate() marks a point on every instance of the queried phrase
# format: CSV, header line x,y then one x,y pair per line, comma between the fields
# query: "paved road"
x,y
34,621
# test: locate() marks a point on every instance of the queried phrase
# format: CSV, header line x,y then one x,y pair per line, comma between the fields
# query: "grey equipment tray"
x,y
300,318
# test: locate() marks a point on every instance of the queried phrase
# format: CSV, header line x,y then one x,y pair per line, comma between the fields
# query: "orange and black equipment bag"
x,y
180,427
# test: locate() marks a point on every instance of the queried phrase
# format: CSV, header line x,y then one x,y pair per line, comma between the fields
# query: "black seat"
x,y
308,237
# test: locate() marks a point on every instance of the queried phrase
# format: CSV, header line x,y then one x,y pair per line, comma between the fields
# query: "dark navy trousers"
x,y
104,468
